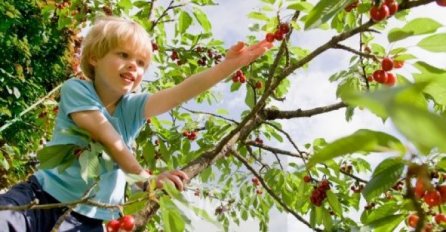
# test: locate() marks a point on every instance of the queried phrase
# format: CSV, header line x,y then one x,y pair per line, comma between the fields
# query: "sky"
x,y
309,88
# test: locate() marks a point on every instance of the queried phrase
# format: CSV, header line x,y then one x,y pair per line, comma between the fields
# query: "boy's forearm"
x,y
204,80
101,130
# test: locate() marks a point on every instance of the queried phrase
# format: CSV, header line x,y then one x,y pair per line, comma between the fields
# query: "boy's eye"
x,y
141,63
123,55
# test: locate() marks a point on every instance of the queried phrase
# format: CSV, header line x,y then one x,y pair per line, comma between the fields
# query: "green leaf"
x,y
431,126
326,219
52,156
324,11
89,163
417,26
434,43
258,15
334,203
386,175
300,6
250,100
136,203
170,216
388,223
363,140
184,22
389,208
202,19
126,4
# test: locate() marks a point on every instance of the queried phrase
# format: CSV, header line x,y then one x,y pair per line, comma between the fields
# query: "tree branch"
x,y
270,191
361,54
271,114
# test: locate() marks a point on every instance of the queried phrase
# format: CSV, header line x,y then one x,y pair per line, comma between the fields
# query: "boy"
x,y
115,54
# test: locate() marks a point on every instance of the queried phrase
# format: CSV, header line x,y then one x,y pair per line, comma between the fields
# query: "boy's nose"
x,y
131,65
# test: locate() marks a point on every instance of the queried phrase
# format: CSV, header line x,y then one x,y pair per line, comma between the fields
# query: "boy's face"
x,y
120,70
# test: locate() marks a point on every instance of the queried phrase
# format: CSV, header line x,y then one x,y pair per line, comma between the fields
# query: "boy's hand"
x,y
177,177
243,55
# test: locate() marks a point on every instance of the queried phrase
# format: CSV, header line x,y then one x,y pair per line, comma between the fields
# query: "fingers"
x,y
177,177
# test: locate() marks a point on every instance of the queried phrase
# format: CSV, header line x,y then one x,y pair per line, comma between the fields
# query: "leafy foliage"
x,y
415,106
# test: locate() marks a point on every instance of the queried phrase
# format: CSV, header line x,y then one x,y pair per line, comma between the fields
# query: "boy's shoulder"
x,y
77,84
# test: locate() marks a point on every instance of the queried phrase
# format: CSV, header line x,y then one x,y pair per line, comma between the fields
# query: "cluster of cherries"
x,y
346,168
258,141
239,76
126,223
357,188
204,54
431,195
256,183
383,11
319,192
279,34
383,75
191,135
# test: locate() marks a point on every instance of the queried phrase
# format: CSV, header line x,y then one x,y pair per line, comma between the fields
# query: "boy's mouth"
x,y
128,77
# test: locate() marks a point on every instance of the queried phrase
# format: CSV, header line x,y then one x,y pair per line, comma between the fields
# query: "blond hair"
x,y
111,32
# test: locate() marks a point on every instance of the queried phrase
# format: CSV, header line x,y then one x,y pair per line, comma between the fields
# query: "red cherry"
x,y
186,133
393,7
387,64
242,79
148,121
239,73
258,85
269,37
441,2
398,63
174,55
432,198
419,188
235,78
348,8
442,190
113,226
390,79
380,76
255,181
440,218
278,35
412,220
192,136
127,222
379,13
259,191
284,28
154,46
307,178
325,184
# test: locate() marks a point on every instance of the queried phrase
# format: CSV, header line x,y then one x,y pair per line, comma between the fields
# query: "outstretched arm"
x,y
237,56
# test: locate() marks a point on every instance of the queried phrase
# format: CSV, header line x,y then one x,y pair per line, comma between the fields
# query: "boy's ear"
x,y
93,61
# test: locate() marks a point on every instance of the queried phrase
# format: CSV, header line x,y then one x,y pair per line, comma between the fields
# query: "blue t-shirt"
x,y
128,118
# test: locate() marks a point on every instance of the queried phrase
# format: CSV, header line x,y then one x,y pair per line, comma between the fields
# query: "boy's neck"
x,y
108,98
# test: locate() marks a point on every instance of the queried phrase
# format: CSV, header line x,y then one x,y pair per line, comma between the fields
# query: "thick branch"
x,y
271,114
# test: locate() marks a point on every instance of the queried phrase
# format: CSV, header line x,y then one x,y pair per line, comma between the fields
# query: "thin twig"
x,y
212,114
271,192
9,123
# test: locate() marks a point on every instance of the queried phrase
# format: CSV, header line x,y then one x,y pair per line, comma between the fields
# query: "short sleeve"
x,y
133,112
78,95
